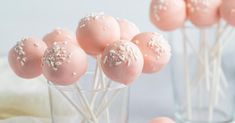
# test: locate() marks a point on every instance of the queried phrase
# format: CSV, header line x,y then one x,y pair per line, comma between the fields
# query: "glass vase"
x,y
86,101
203,72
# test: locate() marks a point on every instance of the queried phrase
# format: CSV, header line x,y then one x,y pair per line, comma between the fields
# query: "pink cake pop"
x,y
162,120
203,13
25,57
122,61
156,51
128,29
227,11
64,63
168,15
59,35
96,31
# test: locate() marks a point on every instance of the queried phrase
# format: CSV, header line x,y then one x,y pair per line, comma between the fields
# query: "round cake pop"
x,y
162,120
156,51
128,29
168,15
96,31
227,11
59,35
64,63
25,57
122,61
203,13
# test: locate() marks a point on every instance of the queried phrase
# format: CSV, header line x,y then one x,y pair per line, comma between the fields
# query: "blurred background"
x,y
151,95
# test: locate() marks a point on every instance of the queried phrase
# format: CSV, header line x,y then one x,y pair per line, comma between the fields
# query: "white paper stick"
x,y
186,77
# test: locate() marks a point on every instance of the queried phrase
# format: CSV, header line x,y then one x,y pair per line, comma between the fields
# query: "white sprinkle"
x,y
128,62
36,45
105,60
21,63
137,42
24,59
74,74
82,25
58,63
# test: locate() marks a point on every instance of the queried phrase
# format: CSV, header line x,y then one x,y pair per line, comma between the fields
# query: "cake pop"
x,y
203,13
59,35
96,31
25,57
168,15
156,51
227,11
162,120
128,29
122,61
64,63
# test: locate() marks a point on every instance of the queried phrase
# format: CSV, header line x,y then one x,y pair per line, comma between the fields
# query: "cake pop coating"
x,y
167,15
227,11
25,57
156,51
162,120
122,61
203,13
128,29
64,63
96,31
59,35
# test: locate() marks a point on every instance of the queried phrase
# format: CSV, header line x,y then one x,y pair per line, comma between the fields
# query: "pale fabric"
x,y
22,101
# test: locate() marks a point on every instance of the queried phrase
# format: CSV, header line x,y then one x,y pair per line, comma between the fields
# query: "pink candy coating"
x,y
122,61
64,63
203,13
162,120
59,35
155,49
96,31
128,29
168,15
25,57
227,11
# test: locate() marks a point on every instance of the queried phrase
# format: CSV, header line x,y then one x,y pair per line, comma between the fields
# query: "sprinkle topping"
x,y
92,16
19,50
36,45
121,52
159,6
158,45
196,5
74,73
57,55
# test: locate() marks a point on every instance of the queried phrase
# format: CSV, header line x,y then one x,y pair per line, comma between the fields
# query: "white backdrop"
x,y
151,95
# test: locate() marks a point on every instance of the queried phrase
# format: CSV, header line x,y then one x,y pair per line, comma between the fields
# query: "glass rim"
x,y
118,86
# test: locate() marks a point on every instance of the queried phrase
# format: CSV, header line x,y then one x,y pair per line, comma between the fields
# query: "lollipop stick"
x,y
79,110
86,103
95,83
50,101
216,77
105,100
186,77
104,95
102,107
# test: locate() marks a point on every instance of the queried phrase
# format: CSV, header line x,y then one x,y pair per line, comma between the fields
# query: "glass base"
x,y
202,116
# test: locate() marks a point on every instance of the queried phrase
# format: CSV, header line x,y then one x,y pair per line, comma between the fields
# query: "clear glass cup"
x,y
87,102
203,72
